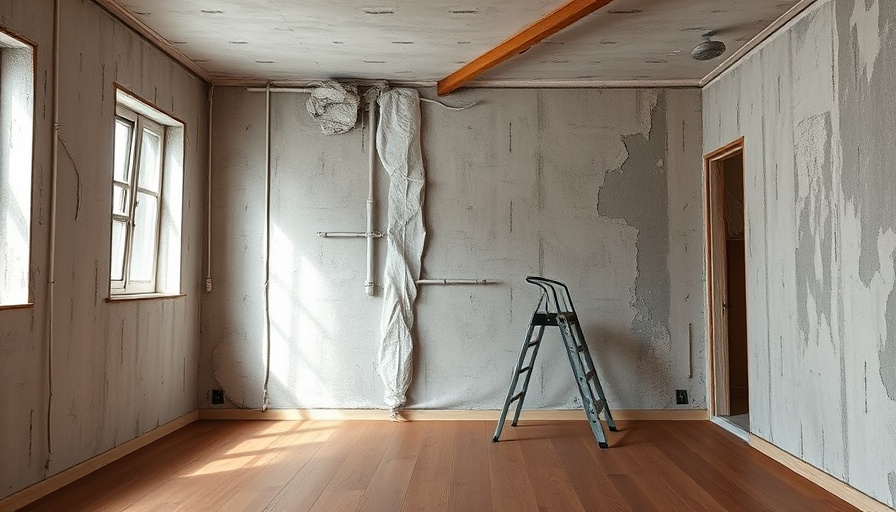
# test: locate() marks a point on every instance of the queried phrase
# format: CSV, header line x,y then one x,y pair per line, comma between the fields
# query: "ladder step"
x,y
590,375
533,343
517,396
545,319
526,369
580,348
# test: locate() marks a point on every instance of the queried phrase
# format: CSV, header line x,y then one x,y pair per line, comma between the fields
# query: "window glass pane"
x,y
119,230
143,247
120,204
150,161
123,129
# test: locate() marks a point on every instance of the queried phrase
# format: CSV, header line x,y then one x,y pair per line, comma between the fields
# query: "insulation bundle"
x,y
334,106
398,144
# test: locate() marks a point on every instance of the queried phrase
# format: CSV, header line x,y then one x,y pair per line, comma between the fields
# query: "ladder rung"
x,y
580,348
517,396
589,375
533,343
526,369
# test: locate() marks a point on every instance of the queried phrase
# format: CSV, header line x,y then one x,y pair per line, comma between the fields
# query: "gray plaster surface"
x,y
814,104
513,188
636,193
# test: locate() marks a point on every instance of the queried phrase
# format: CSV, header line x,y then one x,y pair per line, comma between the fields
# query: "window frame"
x,y
139,123
18,80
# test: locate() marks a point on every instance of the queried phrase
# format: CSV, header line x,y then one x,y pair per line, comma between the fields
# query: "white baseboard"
x,y
441,414
65,477
832,484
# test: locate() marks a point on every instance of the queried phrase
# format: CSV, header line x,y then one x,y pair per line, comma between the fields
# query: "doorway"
x,y
727,291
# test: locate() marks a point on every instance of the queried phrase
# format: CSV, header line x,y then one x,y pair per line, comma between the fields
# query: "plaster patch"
x,y
865,119
891,479
646,104
815,247
864,20
887,352
636,193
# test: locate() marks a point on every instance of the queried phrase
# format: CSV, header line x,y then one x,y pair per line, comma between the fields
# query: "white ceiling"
x,y
638,41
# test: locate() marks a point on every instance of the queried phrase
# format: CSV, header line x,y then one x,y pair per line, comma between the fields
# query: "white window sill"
x,y
122,297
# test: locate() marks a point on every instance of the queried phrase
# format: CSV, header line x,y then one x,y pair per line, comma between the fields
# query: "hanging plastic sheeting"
x,y
398,144
334,106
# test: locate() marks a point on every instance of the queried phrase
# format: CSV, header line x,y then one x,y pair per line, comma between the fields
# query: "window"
x,y
16,146
146,199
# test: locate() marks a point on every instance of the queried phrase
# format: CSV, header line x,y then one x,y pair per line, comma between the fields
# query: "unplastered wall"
x,y
599,189
815,105
121,369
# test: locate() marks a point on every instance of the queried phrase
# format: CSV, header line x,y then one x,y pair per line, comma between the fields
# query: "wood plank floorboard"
x,y
443,466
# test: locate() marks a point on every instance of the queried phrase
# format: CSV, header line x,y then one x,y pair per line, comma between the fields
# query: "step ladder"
x,y
555,308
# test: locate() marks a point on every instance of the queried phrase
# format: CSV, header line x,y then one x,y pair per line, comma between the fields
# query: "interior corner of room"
x,y
208,212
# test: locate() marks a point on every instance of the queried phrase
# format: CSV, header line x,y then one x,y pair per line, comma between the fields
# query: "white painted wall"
x,y
120,370
815,105
563,183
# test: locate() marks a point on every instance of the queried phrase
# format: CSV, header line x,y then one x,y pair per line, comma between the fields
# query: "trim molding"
x,y
757,40
65,477
441,414
830,483
151,36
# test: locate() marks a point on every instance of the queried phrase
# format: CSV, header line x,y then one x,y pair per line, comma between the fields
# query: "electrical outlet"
x,y
681,396
217,397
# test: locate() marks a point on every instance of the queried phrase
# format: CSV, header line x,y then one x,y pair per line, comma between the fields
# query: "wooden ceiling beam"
x,y
571,12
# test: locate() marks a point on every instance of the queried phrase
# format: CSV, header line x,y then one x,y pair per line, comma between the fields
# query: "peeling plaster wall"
x,y
600,189
122,369
815,105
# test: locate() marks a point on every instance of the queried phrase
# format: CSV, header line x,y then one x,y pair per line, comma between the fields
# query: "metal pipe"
x,y
349,234
280,89
267,249
208,263
454,281
371,161
51,265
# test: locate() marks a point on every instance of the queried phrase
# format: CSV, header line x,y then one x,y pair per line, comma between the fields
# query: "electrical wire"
x,y
449,107
267,249
77,173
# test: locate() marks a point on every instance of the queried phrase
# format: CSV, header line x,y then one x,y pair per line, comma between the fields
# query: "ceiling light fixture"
x,y
708,49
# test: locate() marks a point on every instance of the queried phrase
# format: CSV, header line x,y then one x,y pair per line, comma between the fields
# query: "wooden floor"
x,y
442,465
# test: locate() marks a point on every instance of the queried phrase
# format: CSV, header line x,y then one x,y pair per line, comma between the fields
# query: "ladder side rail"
x,y
582,382
588,363
563,296
547,291
567,297
546,285
514,380
531,365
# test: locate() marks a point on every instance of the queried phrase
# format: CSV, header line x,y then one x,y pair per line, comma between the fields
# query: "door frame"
x,y
718,388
